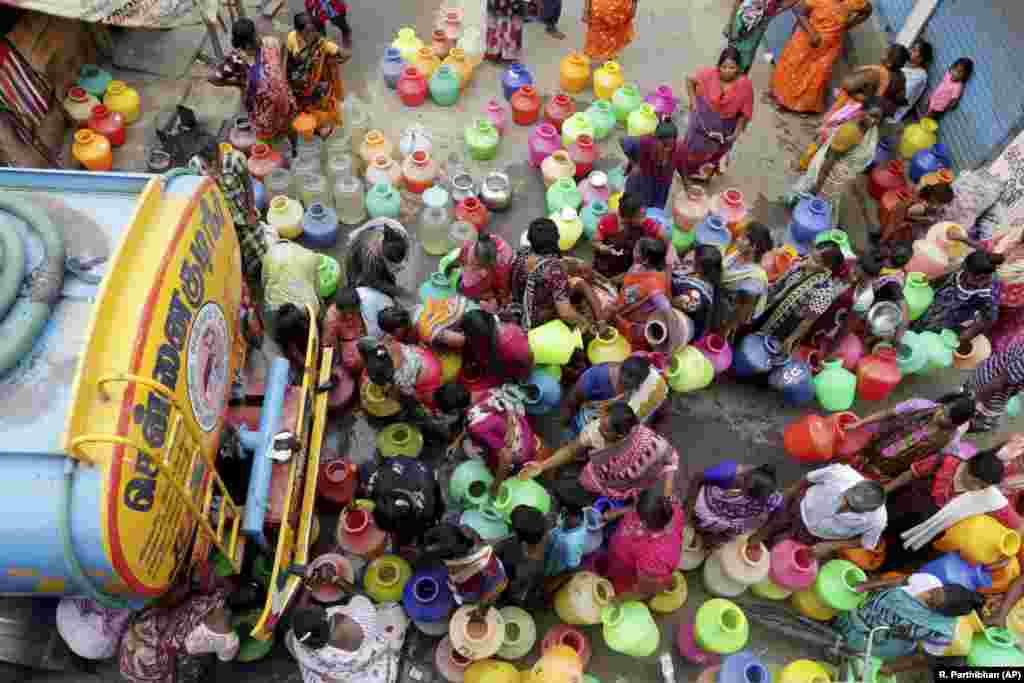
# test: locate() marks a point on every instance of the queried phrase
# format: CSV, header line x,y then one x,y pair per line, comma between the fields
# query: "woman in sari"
x,y
486,264
847,154
230,170
747,24
645,298
91,630
476,575
635,381
614,456
804,69
653,163
744,291
721,106
893,440
696,289
1009,325
801,296
730,499
967,300
921,613
879,80
609,27
994,383
915,75
166,644
539,283
644,549
404,372
255,66
376,252
498,432
314,72
493,351
352,643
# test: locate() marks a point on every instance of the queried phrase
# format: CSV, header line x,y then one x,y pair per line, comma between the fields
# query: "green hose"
x,y
71,563
12,267
45,287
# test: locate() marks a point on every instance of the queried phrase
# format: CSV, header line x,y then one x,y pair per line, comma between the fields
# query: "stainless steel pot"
x,y
496,191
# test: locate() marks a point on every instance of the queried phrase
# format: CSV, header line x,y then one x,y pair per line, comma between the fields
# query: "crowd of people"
x,y
615,455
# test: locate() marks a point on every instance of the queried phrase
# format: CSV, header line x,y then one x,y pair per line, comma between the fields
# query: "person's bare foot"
x,y
555,33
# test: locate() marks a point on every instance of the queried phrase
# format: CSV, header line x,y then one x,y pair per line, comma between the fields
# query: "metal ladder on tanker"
x,y
177,460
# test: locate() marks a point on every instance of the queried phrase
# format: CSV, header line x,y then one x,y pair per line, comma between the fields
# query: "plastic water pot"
x,y
836,583
721,627
553,343
630,629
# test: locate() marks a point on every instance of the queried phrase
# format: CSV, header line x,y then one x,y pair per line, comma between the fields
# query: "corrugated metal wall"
x,y
992,34
892,14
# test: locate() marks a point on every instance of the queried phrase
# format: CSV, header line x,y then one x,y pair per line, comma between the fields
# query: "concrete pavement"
x,y
674,39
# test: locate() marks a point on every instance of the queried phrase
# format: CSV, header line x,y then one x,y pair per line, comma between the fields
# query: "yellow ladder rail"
x,y
228,546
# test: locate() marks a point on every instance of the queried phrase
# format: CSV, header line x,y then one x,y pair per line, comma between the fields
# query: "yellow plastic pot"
x,y
980,540
810,605
804,671
689,370
491,671
671,600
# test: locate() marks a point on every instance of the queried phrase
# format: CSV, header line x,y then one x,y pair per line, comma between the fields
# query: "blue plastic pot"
x,y
756,354
951,568
795,381
811,217
515,77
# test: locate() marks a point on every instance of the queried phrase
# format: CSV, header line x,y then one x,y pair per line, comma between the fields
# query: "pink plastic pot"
x,y
717,350
850,350
543,142
793,565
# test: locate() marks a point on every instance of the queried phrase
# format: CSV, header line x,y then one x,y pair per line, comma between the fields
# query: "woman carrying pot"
x,y
967,300
697,290
645,297
346,644
634,380
499,432
614,456
994,383
744,282
644,549
918,610
375,254
486,264
802,295
540,285
894,439
729,499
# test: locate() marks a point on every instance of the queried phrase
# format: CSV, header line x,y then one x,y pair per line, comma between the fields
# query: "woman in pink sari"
x,y
721,106
614,456
486,270
498,432
644,550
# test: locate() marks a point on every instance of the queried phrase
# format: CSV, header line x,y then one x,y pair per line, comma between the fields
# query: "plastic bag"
x,y
415,138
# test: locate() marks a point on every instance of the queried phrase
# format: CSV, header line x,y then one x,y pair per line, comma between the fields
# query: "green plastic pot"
x,y
327,272
995,647
918,294
602,118
911,356
516,492
630,629
250,649
835,585
721,627
471,483
682,240
835,386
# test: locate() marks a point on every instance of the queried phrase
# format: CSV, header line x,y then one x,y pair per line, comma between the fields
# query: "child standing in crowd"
x,y
947,95
336,12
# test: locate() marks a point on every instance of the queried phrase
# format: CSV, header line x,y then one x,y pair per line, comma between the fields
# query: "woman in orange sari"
x,y
609,27
804,69
314,72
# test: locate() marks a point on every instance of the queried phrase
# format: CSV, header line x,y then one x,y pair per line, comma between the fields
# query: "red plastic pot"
x,y
877,375
882,179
